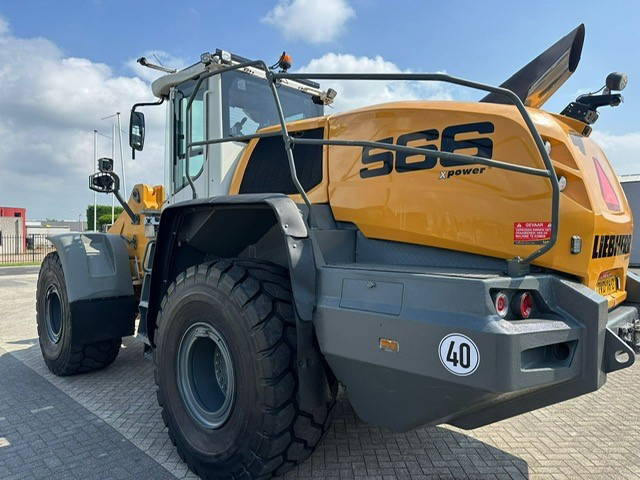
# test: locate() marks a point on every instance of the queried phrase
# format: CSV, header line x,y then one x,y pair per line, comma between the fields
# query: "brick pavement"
x,y
44,434
596,436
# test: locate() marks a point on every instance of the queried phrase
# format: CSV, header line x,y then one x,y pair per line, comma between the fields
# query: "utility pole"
x,y
113,151
113,157
124,175
93,170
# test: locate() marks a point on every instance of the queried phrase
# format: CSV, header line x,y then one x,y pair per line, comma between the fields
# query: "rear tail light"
x,y
608,193
525,304
502,304
514,304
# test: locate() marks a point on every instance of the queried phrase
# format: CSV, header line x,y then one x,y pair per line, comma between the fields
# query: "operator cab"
x,y
234,103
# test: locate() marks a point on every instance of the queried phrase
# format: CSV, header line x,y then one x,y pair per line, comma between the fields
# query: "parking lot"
x,y
107,424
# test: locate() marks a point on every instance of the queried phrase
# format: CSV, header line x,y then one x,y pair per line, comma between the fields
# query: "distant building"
x,y
37,233
52,227
39,230
74,225
13,229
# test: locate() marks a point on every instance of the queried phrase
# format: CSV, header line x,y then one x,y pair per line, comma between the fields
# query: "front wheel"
x,y
63,350
225,366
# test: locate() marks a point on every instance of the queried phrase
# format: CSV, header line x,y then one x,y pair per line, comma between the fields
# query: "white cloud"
x,y
310,20
622,150
50,105
358,93
158,57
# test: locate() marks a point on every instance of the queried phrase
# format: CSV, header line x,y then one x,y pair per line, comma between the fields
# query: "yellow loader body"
x,y
473,208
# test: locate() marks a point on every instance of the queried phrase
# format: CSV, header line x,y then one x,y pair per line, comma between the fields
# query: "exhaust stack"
x,y
540,78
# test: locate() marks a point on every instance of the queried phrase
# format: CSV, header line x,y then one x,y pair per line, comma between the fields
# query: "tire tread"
x,y
263,291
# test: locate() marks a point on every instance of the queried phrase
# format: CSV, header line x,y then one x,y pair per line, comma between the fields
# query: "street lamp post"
x,y
93,170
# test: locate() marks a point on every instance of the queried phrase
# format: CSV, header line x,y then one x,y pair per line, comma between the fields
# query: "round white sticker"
x,y
459,354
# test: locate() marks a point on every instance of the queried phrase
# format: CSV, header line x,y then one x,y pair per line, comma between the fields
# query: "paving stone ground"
x,y
46,434
114,411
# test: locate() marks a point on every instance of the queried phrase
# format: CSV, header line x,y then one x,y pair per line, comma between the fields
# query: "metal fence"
x,y
21,249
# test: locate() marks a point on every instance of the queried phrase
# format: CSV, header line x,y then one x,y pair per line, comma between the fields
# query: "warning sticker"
x,y
531,233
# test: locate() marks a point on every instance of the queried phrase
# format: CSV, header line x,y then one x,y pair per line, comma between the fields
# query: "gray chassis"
x,y
350,292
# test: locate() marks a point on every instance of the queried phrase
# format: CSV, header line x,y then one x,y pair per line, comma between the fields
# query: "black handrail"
x,y
516,265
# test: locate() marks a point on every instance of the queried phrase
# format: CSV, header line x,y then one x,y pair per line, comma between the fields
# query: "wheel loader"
x,y
445,262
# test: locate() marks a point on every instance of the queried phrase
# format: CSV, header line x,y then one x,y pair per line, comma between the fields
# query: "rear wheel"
x,y
225,368
64,353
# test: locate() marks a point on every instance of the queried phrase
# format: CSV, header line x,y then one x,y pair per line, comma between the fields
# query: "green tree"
x,y
104,216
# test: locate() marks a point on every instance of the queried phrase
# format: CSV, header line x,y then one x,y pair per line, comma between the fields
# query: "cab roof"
x,y
211,62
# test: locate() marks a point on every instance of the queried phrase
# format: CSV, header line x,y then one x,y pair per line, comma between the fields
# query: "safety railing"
x,y
31,248
516,265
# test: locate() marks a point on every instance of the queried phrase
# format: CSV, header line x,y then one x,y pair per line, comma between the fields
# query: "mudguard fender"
x,y
99,286
224,226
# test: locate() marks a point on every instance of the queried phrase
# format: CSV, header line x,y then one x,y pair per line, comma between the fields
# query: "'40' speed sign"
x,y
459,354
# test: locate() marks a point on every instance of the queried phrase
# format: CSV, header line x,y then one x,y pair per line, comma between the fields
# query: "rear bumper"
x,y
523,365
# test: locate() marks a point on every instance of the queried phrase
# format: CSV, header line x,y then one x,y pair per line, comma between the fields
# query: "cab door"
x,y
198,168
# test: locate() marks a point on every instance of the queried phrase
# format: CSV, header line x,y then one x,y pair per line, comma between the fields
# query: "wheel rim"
x,y
206,378
53,314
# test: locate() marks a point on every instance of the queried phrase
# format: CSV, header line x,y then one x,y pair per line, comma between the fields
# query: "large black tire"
x,y
248,304
63,353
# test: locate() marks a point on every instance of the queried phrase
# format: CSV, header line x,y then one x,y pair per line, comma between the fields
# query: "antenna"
x,y
145,63
158,59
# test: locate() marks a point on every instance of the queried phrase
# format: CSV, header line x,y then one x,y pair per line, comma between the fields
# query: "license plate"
x,y
607,285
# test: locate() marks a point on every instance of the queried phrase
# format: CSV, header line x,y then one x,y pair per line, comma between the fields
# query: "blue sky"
x,y
485,41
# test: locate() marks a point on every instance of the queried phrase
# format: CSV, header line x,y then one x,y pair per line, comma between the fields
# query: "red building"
x,y
12,212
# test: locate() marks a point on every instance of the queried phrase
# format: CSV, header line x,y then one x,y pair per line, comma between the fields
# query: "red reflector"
x,y
526,304
502,304
608,193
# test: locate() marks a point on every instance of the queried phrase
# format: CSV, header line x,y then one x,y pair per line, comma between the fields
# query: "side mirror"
x,y
616,81
136,131
104,182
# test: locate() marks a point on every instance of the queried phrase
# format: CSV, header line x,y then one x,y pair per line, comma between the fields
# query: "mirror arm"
x,y
597,101
113,187
143,104
146,104
135,219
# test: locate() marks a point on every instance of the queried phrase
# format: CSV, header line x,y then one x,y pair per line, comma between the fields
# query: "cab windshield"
x,y
248,104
